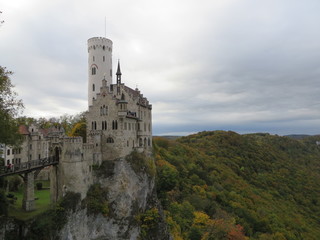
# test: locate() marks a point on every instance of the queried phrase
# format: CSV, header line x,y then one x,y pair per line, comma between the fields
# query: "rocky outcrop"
x,y
120,205
129,187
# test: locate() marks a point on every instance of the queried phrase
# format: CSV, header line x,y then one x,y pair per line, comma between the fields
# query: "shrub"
x,y
97,200
47,224
3,204
148,222
70,201
141,163
39,186
14,183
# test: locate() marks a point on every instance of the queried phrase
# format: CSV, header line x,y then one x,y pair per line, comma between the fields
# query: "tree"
x,y
10,107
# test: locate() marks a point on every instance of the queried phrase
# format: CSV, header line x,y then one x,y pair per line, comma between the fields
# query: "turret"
x,y
99,65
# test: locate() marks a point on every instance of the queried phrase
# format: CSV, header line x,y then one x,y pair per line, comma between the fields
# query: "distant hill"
x,y
170,137
222,185
298,136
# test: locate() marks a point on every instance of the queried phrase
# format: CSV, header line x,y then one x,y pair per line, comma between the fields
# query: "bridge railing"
x,y
25,166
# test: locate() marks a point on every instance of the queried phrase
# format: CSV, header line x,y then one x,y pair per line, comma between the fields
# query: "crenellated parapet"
x,y
72,139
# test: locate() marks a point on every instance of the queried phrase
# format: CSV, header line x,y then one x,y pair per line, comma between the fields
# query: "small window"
x,y
110,72
93,71
93,87
104,48
110,140
93,58
104,58
8,152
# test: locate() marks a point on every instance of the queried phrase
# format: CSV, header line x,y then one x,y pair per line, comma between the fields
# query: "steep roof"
x,y
23,129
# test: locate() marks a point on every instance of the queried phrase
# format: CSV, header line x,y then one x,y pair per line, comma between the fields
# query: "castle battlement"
x,y
72,139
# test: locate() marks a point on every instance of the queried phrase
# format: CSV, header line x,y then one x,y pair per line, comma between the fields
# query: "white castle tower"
x,y
99,65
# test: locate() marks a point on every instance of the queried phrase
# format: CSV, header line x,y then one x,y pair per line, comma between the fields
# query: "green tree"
x,y
10,107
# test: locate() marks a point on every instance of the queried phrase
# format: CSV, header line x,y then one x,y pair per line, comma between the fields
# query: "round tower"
x,y
99,65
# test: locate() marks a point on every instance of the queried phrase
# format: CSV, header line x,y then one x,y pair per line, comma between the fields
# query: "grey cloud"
x,y
235,65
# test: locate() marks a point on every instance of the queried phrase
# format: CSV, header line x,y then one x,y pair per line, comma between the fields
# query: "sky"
x,y
240,65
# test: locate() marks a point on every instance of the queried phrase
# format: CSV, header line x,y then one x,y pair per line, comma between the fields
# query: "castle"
x,y
119,121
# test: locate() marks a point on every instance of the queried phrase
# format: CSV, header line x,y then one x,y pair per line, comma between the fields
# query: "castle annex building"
x,y
119,121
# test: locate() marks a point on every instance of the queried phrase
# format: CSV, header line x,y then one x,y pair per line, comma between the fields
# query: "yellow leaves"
x,y
199,190
175,229
161,163
200,219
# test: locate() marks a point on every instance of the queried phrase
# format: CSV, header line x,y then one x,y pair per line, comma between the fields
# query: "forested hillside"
x,y
222,185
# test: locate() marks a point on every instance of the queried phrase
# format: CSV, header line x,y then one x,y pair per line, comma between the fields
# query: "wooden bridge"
x,y
26,167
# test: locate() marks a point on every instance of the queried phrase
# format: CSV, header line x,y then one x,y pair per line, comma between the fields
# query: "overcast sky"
x,y
239,65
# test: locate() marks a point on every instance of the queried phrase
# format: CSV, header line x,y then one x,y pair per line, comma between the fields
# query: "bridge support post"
x,y
28,202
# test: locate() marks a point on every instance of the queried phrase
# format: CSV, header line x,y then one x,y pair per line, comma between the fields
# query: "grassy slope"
x,y
269,185
42,203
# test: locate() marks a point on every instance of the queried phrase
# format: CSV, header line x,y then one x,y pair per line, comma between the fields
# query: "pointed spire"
x,y
118,70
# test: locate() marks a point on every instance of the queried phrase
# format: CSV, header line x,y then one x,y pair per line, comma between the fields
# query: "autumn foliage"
x,y
222,185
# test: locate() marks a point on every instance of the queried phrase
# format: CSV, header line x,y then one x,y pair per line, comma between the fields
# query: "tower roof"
x,y
118,69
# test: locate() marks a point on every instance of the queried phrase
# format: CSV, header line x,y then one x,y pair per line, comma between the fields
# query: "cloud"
x,y
235,65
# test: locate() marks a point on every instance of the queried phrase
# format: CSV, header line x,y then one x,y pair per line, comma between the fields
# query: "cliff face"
x,y
127,187
121,204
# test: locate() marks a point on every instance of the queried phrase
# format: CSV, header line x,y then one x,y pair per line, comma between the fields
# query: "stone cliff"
x,y
121,204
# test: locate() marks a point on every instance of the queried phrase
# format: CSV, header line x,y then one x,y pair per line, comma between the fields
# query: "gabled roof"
x,y
23,129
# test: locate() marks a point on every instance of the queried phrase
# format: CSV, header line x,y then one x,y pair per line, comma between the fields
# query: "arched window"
x,y
104,48
116,124
110,140
93,71
95,125
105,110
